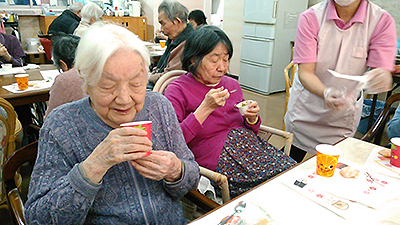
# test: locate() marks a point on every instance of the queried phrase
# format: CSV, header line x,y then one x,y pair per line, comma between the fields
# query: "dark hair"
x,y
198,16
64,47
173,10
201,42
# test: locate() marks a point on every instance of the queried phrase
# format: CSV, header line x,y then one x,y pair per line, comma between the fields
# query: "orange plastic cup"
x,y
144,125
163,43
327,159
22,81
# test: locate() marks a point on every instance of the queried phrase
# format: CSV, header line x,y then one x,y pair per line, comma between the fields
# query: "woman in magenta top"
x,y
219,136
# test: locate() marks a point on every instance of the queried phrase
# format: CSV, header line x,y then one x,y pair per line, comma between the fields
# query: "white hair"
x,y
76,7
99,43
91,11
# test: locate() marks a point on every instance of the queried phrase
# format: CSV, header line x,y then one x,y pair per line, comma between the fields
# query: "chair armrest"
x,y
266,131
220,179
17,206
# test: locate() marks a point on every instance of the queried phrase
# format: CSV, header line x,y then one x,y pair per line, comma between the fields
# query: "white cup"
x,y
7,66
243,106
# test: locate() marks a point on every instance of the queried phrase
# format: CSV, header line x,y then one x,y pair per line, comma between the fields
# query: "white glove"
x,y
337,99
378,80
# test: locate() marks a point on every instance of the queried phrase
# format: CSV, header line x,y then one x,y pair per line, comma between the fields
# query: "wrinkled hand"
x,y
216,98
378,80
252,112
4,53
159,165
161,35
120,145
337,99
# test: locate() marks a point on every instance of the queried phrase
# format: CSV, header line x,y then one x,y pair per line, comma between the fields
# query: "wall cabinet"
x,y
268,34
136,25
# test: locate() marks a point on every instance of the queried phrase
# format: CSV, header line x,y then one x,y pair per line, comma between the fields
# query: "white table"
x,y
287,206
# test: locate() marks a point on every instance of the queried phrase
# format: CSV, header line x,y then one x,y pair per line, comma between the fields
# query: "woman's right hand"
x,y
213,100
216,98
120,145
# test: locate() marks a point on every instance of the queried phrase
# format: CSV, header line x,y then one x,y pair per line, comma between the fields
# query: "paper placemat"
x,y
33,86
14,70
380,164
50,75
345,197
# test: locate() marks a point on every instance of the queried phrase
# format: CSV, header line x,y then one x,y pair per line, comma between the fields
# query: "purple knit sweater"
x,y
206,140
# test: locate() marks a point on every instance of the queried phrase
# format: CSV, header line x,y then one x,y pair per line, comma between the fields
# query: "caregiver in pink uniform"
x,y
349,37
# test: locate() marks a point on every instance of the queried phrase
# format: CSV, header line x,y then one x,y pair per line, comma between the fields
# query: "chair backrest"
x,y
48,47
26,154
289,71
7,137
165,79
376,131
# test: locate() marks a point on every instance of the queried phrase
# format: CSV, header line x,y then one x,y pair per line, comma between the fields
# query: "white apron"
x,y
344,51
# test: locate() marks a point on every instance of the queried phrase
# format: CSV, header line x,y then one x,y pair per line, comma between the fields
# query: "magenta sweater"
x,y
206,140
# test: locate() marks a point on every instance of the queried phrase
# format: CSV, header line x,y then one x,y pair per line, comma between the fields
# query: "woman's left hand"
x,y
159,165
252,112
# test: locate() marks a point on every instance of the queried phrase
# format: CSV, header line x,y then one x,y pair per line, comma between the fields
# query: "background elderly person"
x,y
11,50
68,21
197,18
346,36
172,17
98,172
219,136
90,14
67,87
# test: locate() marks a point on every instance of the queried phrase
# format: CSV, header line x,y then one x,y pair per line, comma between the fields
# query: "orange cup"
x,y
395,152
327,159
144,125
22,81
163,43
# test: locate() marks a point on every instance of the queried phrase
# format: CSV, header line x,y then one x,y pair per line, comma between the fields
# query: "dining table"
x,y
26,97
300,196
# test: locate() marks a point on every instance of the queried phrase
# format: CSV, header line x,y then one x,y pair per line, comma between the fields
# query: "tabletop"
x,y
277,201
23,98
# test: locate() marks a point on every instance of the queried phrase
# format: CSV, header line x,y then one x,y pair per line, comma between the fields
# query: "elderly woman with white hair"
x,y
90,13
89,169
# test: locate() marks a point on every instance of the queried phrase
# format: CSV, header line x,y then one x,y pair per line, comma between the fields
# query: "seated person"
x,y
393,127
11,50
172,17
197,18
68,21
89,170
219,136
67,86
90,13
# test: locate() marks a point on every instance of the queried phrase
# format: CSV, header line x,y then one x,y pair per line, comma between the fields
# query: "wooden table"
x,y
18,99
286,206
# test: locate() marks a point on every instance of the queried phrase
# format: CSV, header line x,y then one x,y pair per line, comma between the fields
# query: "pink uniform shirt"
x,y
380,53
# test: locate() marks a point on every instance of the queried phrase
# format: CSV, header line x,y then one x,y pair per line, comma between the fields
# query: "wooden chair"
x,y
289,71
165,79
26,154
7,135
375,133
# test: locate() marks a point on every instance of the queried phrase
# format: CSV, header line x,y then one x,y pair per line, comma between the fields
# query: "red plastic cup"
x,y
395,152
144,125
